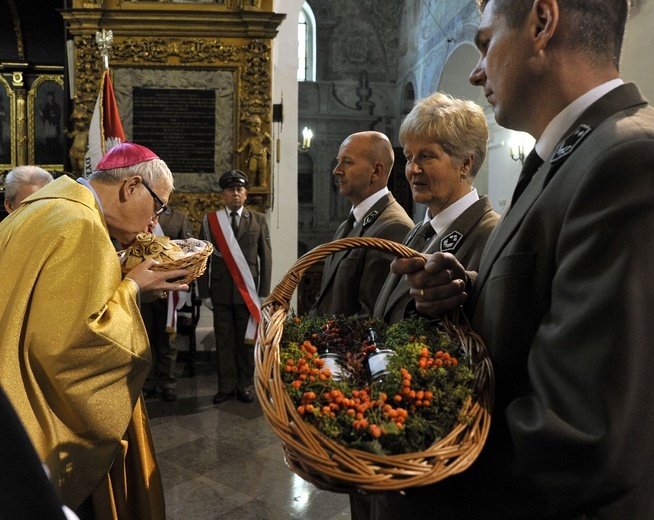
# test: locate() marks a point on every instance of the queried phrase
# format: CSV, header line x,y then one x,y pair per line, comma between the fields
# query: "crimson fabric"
x,y
126,154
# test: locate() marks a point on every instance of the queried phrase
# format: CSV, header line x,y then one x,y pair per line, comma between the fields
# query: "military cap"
x,y
233,178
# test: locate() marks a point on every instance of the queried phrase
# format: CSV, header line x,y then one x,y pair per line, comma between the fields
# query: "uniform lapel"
x,y
361,228
510,222
243,223
448,240
389,289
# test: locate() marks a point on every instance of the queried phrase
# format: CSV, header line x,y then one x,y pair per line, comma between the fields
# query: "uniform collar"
x,y
363,207
558,126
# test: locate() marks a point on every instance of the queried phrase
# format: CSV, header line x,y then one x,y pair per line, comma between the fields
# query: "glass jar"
x,y
377,363
331,362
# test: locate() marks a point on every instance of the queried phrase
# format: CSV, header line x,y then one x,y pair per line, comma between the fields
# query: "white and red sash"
x,y
238,268
175,299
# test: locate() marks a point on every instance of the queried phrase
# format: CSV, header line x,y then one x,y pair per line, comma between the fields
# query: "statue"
x,y
257,145
79,135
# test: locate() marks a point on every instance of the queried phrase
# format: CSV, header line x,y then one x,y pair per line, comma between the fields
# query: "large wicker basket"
x,y
331,466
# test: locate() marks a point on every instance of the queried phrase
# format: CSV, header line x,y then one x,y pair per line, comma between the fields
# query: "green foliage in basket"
x,y
416,403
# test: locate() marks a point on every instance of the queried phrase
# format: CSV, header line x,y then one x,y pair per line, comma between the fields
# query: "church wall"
x,y
356,48
283,212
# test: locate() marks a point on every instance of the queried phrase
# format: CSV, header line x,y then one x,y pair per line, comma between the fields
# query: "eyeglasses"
x,y
163,208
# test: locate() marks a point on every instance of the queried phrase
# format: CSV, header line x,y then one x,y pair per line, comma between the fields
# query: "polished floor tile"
x,y
224,462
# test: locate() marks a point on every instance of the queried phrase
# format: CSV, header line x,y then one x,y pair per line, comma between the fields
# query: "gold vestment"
x,y
74,352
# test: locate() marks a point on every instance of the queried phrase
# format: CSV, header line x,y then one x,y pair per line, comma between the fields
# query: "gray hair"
x,y
458,125
25,176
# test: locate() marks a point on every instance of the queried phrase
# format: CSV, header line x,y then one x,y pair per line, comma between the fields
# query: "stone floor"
x,y
224,462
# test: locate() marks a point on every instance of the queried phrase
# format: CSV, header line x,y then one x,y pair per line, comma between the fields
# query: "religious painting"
x,y
46,134
7,117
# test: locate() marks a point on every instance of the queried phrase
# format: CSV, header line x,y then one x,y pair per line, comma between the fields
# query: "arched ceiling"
x,y
32,32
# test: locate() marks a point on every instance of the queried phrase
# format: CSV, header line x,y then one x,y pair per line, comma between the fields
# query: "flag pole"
x,y
104,40
105,129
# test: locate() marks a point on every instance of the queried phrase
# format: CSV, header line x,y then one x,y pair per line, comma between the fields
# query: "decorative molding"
x,y
256,84
188,50
8,100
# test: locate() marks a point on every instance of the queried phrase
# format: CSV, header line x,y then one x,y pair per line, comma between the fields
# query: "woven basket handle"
x,y
284,290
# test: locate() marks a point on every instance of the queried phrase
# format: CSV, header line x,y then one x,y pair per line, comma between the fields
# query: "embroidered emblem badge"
x,y
565,147
449,242
370,217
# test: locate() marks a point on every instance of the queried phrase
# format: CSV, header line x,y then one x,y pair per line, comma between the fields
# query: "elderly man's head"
x,y
21,182
133,185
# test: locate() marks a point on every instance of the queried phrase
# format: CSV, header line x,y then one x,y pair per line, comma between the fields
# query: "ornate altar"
x,y
190,80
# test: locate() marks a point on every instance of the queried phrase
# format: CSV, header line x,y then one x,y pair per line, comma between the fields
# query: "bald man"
x,y
352,279
21,182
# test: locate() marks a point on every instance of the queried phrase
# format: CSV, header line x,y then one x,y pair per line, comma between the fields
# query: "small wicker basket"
x,y
331,466
194,261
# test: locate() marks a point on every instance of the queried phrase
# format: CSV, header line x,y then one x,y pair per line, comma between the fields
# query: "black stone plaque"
x,y
179,125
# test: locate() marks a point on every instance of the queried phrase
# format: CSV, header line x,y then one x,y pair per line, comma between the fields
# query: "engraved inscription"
x,y
177,124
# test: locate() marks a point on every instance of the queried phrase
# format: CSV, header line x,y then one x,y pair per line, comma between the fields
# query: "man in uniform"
x,y
352,279
564,293
237,276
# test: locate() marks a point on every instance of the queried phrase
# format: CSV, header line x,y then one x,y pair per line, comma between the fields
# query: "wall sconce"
x,y
519,142
307,135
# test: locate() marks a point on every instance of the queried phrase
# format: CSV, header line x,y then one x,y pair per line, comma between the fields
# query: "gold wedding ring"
x,y
422,292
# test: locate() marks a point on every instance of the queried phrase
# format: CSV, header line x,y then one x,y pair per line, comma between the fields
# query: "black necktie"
x,y
234,215
529,169
422,236
349,225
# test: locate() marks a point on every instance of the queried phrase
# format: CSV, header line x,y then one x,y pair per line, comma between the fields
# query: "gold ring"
x,y
422,292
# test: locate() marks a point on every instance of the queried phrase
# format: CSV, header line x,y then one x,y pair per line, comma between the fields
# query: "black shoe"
x,y
220,397
244,396
150,393
169,395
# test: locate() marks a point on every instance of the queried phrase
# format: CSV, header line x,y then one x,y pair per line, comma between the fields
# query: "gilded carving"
x,y
256,86
197,50
87,78
245,53
189,50
15,17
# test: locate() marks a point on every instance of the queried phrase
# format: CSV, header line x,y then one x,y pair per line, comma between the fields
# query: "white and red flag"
x,y
105,130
